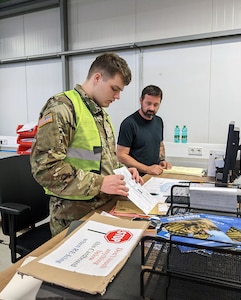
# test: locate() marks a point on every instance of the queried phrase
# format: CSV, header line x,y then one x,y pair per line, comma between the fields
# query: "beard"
x,y
148,114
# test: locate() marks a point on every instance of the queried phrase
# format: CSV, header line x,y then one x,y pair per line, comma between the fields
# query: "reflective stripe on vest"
x,y
83,154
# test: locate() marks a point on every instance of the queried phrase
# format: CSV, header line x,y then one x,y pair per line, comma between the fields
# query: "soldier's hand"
x,y
114,185
136,176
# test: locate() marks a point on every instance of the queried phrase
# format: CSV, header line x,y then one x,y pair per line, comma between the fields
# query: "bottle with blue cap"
x,y
177,134
184,134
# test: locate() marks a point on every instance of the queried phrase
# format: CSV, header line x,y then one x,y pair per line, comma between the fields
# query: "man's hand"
x,y
114,185
158,169
154,169
165,165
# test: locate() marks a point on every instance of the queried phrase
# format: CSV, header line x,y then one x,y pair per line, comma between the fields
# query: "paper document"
x,y
138,194
160,187
20,288
99,246
95,249
185,171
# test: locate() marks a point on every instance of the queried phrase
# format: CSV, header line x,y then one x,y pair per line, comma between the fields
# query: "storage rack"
x,y
180,202
169,274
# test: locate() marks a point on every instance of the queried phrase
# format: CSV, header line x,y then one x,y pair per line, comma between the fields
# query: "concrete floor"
x,y
5,255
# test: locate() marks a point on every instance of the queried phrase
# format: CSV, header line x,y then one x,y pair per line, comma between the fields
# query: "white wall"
x,y
200,79
201,82
25,86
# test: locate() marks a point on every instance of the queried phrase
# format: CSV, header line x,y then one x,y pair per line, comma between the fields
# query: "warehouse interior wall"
x,y
190,48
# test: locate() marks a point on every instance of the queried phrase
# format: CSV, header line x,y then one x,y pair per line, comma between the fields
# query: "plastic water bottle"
x,y
177,134
184,134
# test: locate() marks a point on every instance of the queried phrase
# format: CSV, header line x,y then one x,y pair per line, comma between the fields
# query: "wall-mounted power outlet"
x,y
196,151
3,141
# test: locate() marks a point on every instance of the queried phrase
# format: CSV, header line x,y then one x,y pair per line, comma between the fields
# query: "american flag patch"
x,y
45,119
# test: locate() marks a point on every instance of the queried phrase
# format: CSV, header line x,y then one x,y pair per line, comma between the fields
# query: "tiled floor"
x,y
5,256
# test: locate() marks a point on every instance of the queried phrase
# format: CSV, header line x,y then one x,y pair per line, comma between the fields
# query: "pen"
x,y
154,194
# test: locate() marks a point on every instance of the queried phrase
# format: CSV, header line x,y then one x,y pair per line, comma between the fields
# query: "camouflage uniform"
x,y
49,150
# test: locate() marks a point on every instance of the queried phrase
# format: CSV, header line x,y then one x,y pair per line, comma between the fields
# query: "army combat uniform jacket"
x,y
75,190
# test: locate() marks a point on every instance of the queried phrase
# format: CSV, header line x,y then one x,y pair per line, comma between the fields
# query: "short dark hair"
x,y
151,90
110,64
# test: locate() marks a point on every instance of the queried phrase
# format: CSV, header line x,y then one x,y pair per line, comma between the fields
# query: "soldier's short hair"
x,y
110,64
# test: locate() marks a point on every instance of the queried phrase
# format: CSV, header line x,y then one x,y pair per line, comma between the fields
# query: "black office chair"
x,y
23,203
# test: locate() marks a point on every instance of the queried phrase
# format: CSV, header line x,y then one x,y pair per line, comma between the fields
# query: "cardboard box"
x,y
126,208
79,281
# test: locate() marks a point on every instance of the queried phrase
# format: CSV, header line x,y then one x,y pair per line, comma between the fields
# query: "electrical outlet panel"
x,y
195,151
3,141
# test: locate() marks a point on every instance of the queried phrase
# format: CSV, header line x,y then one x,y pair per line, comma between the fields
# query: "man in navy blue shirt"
x,y
140,140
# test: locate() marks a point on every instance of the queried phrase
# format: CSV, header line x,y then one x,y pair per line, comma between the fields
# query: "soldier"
x,y
74,154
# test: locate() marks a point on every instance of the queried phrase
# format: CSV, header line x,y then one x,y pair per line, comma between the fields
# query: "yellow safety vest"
x,y
85,149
